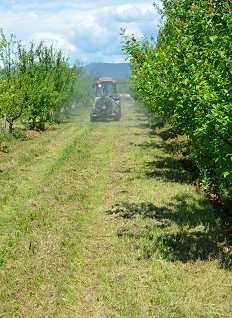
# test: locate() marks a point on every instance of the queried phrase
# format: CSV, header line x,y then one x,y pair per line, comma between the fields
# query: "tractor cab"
x,y
105,86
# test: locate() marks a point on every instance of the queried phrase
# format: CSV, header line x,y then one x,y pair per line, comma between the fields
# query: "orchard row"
x,y
186,76
36,83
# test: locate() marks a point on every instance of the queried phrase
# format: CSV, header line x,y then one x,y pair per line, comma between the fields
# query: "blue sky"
x,y
87,30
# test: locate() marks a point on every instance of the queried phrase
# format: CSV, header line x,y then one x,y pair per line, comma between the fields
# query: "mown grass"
x,y
44,217
32,252
181,261
77,145
99,220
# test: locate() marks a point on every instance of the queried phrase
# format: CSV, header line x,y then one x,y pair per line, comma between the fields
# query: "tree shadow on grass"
x,y
151,145
149,125
140,118
167,134
186,229
145,125
168,169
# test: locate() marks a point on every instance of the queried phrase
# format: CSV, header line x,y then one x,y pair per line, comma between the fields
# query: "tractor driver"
x,y
105,90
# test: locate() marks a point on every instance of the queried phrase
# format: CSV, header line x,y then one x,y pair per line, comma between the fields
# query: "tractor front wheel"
x,y
117,117
92,118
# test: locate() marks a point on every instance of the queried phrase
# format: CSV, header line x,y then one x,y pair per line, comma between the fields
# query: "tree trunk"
x,y
10,127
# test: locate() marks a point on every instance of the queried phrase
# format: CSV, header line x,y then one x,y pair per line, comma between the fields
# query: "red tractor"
x,y
107,104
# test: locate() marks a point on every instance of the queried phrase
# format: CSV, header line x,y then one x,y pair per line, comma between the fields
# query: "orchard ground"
x,y
100,220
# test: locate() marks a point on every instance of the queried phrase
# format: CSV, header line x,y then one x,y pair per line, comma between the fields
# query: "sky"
x,y
87,31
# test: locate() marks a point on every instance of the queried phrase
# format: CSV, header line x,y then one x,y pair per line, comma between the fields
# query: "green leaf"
x,y
225,174
213,38
216,63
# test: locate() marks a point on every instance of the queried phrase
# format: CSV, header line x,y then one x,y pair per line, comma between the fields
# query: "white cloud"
x,y
57,41
127,12
85,30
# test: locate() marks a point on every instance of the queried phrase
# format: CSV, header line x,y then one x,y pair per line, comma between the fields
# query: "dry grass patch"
x,y
31,134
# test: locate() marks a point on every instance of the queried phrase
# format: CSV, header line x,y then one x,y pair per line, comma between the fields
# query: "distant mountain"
x,y
119,71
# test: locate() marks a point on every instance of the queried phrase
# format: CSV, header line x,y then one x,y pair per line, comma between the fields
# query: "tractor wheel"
x,y
117,117
92,118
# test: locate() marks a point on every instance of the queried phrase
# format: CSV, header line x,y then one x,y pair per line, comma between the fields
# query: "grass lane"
x,y
99,220
173,239
38,216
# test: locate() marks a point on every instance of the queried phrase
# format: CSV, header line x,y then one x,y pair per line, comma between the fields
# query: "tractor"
x,y
107,103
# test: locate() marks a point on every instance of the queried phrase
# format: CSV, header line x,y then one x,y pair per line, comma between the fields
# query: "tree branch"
x,y
228,71
227,142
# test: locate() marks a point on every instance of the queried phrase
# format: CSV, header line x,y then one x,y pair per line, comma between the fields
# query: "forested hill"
x,y
119,71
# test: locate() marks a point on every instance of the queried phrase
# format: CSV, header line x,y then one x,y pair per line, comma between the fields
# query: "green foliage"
x,y
7,140
187,78
11,95
84,89
35,83
18,133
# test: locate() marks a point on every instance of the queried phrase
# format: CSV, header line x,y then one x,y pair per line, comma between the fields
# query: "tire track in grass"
x,y
104,260
69,150
23,177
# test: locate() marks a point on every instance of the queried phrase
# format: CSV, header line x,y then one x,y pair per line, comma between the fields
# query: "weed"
x,y
18,133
